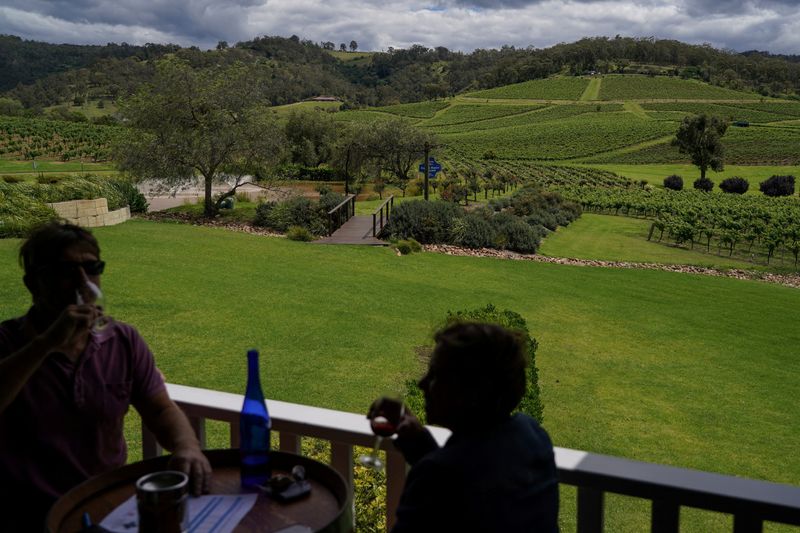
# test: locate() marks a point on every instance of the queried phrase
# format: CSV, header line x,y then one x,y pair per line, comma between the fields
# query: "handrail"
x,y
389,207
751,502
338,216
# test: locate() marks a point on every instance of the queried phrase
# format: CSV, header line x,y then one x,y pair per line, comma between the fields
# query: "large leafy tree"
x,y
354,152
700,136
399,147
208,123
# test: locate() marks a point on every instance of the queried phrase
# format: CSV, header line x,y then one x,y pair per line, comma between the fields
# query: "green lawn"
x,y
618,238
643,364
26,167
655,174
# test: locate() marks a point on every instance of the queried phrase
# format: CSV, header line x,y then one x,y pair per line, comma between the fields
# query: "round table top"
x,y
327,508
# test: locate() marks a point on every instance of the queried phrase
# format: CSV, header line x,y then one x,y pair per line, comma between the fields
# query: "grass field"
x,y
618,238
642,364
90,109
655,173
26,167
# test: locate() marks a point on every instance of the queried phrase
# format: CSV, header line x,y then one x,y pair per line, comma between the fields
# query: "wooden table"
x,y
328,508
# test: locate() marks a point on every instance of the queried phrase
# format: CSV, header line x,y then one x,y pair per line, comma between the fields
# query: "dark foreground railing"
x,y
341,213
379,223
669,488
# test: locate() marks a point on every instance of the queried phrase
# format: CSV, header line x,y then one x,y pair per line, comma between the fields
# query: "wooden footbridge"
x,y
347,228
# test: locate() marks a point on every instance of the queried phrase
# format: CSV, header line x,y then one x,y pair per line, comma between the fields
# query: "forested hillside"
x,y
40,74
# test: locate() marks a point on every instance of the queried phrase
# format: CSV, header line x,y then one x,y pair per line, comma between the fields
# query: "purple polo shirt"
x,y
66,424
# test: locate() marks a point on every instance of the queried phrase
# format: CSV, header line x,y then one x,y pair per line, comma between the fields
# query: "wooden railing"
x,y
751,502
341,213
379,223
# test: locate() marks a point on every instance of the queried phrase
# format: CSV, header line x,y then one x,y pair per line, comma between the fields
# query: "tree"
x,y
311,135
700,137
9,106
343,47
354,147
353,46
399,146
207,122
328,45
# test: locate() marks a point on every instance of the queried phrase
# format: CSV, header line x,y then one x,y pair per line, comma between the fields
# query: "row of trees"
x,y
777,185
212,123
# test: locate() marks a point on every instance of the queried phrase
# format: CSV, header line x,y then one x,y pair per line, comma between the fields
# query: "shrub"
x,y
703,184
734,185
329,200
427,222
416,247
133,198
8,178
473,231
299,233
45,179
531,403
404,247
515,234
673,182
263,211
297,211
778,186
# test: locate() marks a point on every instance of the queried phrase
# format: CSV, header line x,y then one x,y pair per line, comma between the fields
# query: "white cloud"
x,y
462,25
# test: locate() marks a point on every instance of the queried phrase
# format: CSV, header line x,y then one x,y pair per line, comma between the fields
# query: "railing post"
x,y
395,480
289,442
743,523
235,435
373,224
665,517
590,510
198,424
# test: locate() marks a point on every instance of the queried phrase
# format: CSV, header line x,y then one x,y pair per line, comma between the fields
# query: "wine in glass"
x,y
385,416
91,294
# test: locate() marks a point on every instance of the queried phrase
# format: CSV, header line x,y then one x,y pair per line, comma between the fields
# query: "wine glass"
x,y
385,416
91,294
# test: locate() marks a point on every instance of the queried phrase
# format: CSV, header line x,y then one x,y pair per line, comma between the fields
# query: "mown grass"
x,y
679,369
8,166
655,173
618,238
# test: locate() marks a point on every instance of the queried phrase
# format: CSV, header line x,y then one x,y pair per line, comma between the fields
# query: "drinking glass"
x,y
386,416
91,294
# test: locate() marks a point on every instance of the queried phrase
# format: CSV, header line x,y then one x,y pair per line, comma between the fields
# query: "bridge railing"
x,y
378,219
341,213
668,488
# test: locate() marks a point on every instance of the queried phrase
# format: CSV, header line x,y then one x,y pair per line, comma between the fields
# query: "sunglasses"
x,y
68,268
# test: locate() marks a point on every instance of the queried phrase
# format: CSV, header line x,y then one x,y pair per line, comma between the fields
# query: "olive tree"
x,y
207,123
700,137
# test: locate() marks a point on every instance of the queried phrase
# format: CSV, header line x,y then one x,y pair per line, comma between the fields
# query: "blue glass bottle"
x,y
254,428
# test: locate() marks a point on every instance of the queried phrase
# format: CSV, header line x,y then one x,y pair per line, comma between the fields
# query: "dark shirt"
x,y
66,424
501,478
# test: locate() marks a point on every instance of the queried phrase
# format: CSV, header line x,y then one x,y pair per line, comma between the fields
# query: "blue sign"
x,y
433,167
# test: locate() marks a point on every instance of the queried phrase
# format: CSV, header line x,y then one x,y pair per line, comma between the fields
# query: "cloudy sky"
x,y
772,25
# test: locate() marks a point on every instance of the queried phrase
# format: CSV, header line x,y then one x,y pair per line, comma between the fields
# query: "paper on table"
x,y
214,513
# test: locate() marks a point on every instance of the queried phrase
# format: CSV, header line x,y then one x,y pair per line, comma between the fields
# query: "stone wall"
x,y
91,213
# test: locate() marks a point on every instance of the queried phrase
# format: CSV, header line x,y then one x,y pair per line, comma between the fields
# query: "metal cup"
x,y
161,501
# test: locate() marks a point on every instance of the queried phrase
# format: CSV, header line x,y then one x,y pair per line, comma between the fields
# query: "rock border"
x,y
787,280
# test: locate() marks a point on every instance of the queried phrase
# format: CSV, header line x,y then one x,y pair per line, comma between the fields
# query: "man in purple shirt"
x,y
65,387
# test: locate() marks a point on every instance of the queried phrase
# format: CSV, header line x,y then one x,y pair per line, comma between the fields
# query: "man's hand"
x,y
74,321
191,460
